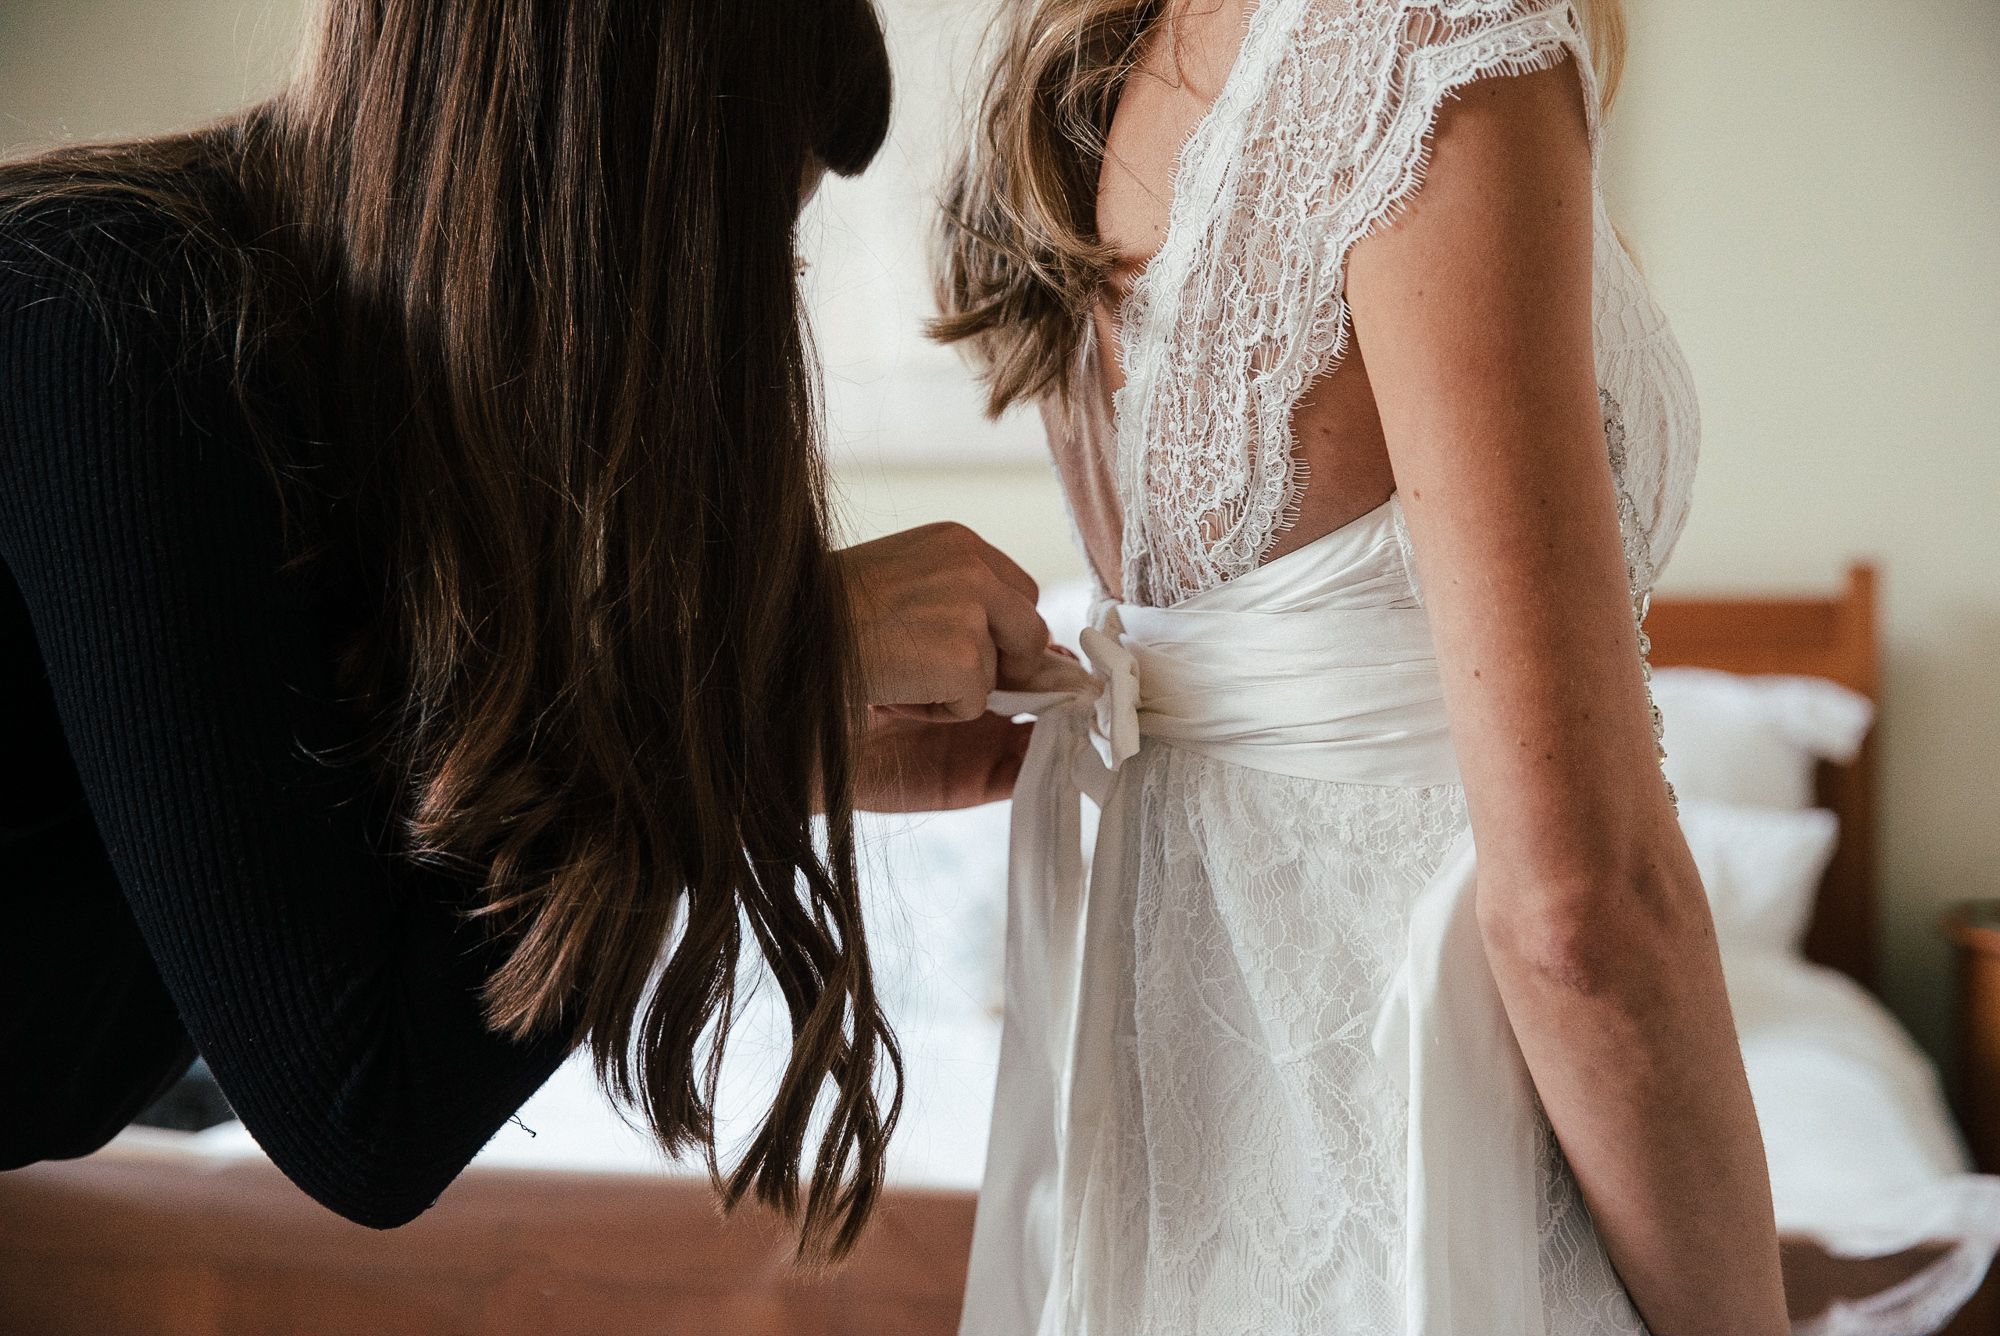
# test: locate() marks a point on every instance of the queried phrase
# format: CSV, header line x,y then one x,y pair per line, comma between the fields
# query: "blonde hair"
x,y
1021,263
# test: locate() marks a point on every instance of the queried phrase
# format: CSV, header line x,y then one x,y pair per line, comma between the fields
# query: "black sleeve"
x,y
332,989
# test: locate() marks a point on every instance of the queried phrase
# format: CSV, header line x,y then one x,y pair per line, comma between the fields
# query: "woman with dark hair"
x,y
422,644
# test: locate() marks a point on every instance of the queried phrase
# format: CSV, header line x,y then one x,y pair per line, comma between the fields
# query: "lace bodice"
x,y
1317,136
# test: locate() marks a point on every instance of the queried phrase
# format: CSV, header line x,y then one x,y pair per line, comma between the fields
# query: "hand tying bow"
x,y
1108,686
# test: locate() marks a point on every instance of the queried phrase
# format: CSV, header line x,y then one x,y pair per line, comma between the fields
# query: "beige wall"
x,y
94,68
1813,187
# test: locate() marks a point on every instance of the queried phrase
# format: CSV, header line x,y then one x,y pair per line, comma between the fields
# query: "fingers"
x,y
906,766
1006,771
930,714
969,701
978,761
942,617
1013,624
1009,573
963,675
1019,635
955,711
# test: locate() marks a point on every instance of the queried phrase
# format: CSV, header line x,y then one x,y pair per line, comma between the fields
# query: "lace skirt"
x,y
1247,1174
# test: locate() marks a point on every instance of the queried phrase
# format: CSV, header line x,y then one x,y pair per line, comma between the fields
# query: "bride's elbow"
x,y
1627,933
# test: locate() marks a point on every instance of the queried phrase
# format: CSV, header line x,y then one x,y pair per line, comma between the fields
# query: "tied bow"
x,y
1114,672
1100,693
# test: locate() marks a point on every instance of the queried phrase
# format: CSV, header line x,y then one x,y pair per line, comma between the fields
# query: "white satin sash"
x,y
1278,672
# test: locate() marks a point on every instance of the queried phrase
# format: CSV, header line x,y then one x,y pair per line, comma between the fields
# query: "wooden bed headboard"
x,y
1832,636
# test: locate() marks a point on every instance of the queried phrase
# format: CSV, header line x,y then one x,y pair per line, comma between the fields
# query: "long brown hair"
x,y
1022,264
526,267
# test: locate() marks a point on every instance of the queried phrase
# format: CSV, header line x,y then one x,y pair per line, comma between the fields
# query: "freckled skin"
x,y
1474,312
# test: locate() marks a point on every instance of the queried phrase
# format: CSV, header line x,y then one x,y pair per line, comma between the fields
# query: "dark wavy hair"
x,y
527,267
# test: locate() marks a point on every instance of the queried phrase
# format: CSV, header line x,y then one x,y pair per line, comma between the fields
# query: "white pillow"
x,y
1755,739
1066,608
934,893
1762,869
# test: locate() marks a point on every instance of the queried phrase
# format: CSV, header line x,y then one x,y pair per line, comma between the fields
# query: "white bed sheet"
x,y
1864,1155
1863,1152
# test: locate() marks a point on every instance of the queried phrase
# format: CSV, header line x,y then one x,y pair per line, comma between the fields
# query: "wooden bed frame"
x,y
1831,637
154,1243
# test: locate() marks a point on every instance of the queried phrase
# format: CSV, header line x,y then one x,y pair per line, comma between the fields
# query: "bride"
x,y
1375,442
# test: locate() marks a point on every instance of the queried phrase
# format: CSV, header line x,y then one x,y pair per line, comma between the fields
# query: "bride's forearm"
x,y
1625,1027
1475,312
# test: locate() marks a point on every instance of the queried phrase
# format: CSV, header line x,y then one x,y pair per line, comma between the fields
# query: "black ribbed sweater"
x,y
177,875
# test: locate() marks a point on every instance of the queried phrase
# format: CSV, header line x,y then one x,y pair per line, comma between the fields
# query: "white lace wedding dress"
x,y
1255,1078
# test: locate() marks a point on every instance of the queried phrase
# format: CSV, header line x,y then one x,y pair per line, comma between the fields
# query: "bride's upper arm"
x,y
1473,308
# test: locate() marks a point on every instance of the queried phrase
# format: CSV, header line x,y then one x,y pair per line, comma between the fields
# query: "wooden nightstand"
x,y
1974,928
